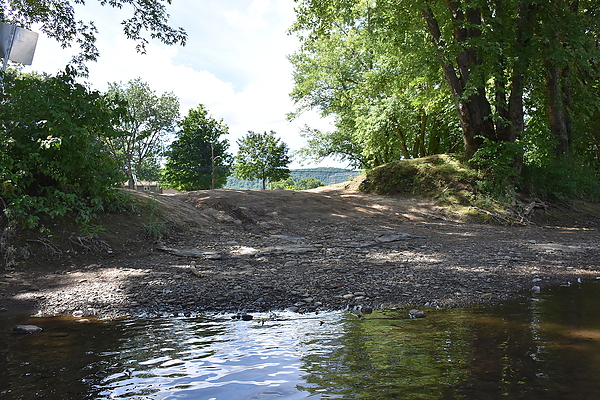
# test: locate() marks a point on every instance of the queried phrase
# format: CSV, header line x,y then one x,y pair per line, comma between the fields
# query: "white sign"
x,y
17,44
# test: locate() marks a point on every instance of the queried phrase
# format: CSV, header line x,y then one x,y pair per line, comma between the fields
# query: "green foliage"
x,y
496,160
386,94
149,170
56,18
52,159
198,157
560,180
338,144
292,184
405,79
261,156
149,120
154,227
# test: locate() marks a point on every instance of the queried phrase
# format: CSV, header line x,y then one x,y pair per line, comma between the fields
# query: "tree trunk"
x,y
422,151
558,100
403,146
131,183
474,111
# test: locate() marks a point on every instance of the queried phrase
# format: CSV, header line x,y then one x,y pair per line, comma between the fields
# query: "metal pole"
x,y
13,30
212,164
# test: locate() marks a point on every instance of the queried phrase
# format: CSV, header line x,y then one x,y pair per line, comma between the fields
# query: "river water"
x,y
542,348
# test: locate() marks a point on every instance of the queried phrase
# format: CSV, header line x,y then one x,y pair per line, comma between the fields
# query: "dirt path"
x,y
327,248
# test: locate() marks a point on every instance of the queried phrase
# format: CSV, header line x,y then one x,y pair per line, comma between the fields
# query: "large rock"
x,y
26,329
416,314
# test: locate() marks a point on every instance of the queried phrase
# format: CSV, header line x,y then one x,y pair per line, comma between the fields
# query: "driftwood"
x,y
208,255
520,214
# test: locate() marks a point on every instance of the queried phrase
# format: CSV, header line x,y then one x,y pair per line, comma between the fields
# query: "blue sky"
x,y
234,63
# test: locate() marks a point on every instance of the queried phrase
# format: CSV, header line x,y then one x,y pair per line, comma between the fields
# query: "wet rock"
x,y
242,316
26,329
416,314
363,309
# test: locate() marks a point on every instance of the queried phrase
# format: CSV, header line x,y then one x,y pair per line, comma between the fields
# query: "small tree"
x,y
261,156
198,159
52,161
150,119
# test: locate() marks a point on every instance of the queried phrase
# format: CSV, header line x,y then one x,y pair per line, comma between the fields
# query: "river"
x,y
546,347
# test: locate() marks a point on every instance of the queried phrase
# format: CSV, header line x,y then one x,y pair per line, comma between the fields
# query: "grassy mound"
x,y
429,177
446,180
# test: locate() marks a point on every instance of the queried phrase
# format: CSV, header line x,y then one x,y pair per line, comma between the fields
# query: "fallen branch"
x,y
208,255
49,247
90,244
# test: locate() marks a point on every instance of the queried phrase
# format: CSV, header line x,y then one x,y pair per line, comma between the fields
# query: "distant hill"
x,y
328,176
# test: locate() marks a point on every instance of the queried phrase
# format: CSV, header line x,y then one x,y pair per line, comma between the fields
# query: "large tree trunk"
x,y
558,102
473,111
131,183
512,115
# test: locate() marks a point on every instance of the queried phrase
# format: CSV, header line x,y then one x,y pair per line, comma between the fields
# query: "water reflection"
x,y
547,349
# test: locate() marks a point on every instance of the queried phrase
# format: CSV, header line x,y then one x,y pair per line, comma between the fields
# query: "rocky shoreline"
x,y
257,257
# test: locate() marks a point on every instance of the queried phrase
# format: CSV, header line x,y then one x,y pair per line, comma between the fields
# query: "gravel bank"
x,y
308,251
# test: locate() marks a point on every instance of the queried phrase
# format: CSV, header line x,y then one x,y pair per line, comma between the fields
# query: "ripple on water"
x,y
545,349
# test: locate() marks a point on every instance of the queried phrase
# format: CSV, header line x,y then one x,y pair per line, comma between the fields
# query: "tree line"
x,y
513,85
64,146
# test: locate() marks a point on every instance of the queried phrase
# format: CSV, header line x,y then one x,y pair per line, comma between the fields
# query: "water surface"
x,y
545,348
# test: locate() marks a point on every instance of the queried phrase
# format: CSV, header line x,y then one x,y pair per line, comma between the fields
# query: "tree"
x,y
499,63
56,18
198,158
261,156
388,99
52,159
150,119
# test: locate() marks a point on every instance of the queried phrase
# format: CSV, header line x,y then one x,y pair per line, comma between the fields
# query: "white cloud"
x,y
253,16
234,63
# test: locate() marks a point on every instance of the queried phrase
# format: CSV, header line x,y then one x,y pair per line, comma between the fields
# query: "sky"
x,y
234,63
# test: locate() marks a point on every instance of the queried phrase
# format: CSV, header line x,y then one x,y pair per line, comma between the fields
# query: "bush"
x,y
52,159
561,179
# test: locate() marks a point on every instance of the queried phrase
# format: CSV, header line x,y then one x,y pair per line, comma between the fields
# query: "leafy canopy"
x,y
404,79
261,156
56,18
198,158
149,121
52,158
